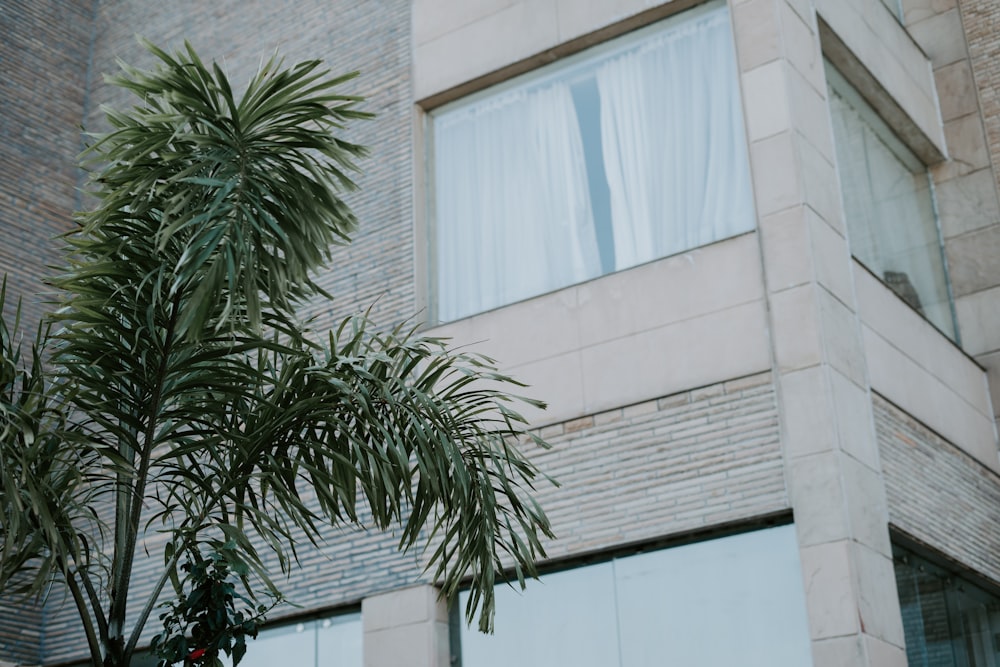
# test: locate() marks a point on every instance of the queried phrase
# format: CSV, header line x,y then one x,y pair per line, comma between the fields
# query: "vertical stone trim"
x,y
831,457
406,628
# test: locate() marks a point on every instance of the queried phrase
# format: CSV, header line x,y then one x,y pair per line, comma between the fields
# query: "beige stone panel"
x,y
818,496
581,17
796,328
405,627
820,181
766,104
434,18
811,114
776,177
558,381
912,388
883,654
974,260
992,364
918,10
867,506
802,8
917,339
878,601
670,290
838,651
538,328
941,37
757,32
495,41
831,599
410,645
956,90
979,321
831,257
841,337
967,203
853,412
966,147
692,353
416,604
807,417
787,249
802,45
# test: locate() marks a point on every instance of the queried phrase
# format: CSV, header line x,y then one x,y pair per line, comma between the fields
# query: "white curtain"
x,y
513,216
673,142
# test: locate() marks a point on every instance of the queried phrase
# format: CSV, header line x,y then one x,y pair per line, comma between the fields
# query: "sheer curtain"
x,y
673,142
513,216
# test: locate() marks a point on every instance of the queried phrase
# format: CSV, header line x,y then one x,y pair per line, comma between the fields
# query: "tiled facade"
x,y
766,375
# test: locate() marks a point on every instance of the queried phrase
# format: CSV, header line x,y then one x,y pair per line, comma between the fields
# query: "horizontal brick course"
x,y
937,493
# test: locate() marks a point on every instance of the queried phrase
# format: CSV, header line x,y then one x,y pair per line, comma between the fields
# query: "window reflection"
x,y
948,622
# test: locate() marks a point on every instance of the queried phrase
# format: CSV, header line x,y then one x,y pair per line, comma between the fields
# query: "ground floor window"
x,y
948,621
735,600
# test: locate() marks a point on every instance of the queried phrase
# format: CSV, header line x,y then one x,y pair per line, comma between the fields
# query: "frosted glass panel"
x,y
735,600
732,601
567,618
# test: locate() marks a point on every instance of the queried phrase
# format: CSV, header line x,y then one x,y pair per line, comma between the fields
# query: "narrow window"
x,y
888,204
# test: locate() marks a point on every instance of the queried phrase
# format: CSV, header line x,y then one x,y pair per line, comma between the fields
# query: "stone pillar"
x,y
832,466
406,628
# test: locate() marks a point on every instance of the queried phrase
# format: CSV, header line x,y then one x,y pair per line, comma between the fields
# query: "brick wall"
x,y
937,493
372,37
44,54
678,463
981,19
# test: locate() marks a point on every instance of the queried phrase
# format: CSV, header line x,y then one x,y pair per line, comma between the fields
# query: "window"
x,y
947,621
888,204
736,600
334,640
624,153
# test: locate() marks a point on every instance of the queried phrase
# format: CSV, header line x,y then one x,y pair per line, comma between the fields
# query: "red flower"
x,y
197,653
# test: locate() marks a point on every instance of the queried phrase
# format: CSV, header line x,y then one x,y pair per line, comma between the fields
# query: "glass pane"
x,y
892,228
291,644
736,600
625,153
948,622
566,618
338,641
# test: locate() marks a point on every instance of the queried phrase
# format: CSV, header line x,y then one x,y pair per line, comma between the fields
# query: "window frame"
x,y
579,59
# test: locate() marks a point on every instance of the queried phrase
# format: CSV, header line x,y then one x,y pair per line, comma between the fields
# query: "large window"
x,y
736,600
948,622
622,154
888,204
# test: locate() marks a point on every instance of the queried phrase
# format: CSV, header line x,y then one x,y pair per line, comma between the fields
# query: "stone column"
x,y
831,457
405,628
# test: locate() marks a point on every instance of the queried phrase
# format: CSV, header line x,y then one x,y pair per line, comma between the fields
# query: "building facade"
x,y
747,250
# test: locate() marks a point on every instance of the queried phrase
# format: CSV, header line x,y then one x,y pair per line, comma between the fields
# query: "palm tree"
x,y
173,389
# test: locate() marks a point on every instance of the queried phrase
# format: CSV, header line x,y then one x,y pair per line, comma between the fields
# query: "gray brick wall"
x,y
372,37
937,493
679,463
44,51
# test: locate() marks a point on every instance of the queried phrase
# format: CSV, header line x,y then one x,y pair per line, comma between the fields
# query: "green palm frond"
x,y
179,392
